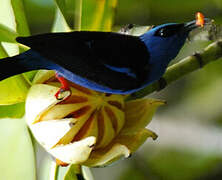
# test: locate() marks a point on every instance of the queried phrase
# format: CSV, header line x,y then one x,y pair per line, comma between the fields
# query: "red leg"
x,y
64,87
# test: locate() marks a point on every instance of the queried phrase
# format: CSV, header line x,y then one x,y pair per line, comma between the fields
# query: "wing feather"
x,y
91,54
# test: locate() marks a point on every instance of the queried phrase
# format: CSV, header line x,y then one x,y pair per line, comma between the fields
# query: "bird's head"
x,y
165,41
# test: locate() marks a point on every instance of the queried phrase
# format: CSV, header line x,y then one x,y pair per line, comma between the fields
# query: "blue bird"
x,y
103,61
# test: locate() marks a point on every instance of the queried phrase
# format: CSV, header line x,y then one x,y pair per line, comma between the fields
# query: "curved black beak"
x,y
189,26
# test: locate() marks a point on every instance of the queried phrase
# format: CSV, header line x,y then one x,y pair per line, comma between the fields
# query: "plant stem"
x,y
189,64
22,27
78,15
56,171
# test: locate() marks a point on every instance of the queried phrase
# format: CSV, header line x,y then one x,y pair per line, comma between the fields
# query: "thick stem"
x,y
189,64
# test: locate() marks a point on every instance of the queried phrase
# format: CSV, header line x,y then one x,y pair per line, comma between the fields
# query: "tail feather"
x,y
21,63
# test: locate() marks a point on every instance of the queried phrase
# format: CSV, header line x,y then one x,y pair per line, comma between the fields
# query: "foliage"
x,y
200,92
13,90
173,164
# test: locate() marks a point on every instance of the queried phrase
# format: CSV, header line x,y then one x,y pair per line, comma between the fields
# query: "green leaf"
x,y
61,4
67,9
13,90
20,18
60,24
12,111
8,27
71,173
22,27
17,156
108,16
92,14
3,53
78,15
98,15
29,76
7,34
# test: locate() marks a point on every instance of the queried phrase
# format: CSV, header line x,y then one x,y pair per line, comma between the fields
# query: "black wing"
x,y
96,56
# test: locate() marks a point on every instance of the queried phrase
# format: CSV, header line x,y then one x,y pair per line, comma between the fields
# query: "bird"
x,y
107,62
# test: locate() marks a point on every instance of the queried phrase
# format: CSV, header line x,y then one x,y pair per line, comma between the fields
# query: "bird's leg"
x,y
63,88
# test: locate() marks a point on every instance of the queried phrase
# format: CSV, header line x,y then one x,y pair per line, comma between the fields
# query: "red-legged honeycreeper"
x,y
103,61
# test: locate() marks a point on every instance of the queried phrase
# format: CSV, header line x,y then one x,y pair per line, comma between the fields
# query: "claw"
x,y
64,88
59,93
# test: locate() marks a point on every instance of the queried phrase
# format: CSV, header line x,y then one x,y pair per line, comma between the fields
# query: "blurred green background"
x,y
189,146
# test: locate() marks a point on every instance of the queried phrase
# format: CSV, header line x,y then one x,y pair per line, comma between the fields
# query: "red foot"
x,y
64,87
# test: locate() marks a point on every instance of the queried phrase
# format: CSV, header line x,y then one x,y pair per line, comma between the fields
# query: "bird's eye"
x,y
169,30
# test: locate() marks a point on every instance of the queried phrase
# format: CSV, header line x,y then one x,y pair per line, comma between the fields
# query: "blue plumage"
x,y
103,61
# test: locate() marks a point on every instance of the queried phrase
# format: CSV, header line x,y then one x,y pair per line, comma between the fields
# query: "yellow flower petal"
x,y
75,129
42,76
90,128
118,117
74,153
122,146
106,129
103,157
139,113
61,110
134,140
